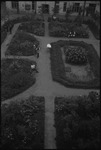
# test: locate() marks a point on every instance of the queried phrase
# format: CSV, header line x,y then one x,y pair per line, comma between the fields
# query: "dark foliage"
x,y
23,124
77,121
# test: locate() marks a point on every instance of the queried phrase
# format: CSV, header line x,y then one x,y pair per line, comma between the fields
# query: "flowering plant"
x,y
76,55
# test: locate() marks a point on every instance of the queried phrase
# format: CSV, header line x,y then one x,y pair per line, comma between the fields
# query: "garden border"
x,y
58,68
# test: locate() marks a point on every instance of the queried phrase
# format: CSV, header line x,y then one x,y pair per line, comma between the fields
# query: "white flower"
x,y
48,46
33,66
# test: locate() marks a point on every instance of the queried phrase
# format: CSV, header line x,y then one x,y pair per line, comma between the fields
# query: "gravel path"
x,y
44,85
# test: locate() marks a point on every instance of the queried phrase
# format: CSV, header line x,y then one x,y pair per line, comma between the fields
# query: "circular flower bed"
x,y
76,56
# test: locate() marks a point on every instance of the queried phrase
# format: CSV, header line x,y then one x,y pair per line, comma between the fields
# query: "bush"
x,y
23,121
3,36
94,29
77,123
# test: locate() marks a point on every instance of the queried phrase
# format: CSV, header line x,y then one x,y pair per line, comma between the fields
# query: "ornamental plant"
x,y
76,56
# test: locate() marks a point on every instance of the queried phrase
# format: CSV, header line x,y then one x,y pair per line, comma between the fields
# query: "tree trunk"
x,y
83,11
17,7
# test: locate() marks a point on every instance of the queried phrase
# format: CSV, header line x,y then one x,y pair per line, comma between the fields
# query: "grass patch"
x,y
22,45
16,77
77,121
23,124
58,68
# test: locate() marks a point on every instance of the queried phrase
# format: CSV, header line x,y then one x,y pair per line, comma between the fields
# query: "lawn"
x,y
23,124
34,27
22,44
77,122
75,64
16,77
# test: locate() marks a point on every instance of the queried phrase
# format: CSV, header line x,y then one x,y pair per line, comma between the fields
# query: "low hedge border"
x,y
77,121
58,68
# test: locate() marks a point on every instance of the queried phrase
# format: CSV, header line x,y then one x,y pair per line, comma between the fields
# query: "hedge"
x,y
58,68
94,29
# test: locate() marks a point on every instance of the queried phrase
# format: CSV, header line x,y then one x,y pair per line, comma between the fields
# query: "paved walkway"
x,y
45,86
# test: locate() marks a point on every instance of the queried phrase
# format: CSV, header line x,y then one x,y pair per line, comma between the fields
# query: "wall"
x,y
22,6
50,3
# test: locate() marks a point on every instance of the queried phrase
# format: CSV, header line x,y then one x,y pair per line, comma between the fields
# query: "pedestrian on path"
x,y
37,54
34,68
10,28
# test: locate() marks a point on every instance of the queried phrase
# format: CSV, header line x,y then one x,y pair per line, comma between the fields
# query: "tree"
x,y
17,7
67,13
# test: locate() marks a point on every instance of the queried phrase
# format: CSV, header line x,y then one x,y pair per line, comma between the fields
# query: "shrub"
x,y
23,121
93,27
77,123
3,36
16,77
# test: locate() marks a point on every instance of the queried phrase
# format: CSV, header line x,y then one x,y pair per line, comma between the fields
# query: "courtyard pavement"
x,y
44,85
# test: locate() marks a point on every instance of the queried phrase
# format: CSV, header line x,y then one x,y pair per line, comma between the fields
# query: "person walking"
x,y
10,28
37,54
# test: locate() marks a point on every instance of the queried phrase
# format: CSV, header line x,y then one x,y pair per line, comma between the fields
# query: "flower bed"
x,y
58,68
77,122
23,124
22,44
76,56
36,28
16,77
69,30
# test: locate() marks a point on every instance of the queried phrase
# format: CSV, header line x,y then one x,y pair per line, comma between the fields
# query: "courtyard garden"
x,y
77,122
22,124
22,44
16,77
75,64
